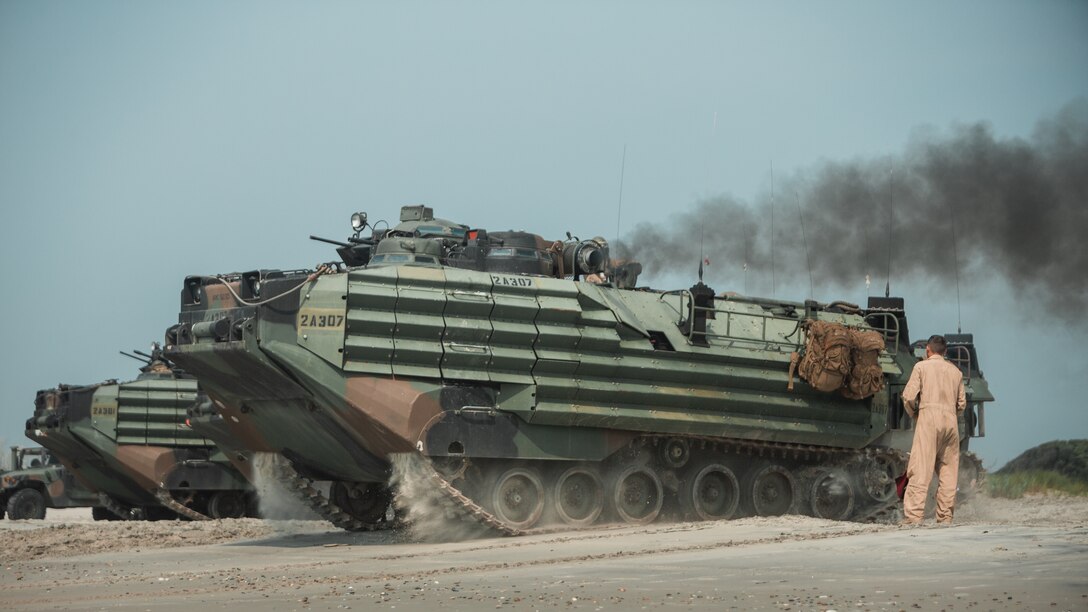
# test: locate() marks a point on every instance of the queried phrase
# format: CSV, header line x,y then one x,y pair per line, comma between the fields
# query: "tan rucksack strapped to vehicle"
x,y
826,361
837,358
866,378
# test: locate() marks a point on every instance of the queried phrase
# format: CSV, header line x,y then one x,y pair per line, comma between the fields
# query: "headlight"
x,y
358,221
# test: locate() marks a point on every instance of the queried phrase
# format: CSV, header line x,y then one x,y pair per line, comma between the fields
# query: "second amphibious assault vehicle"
x,y
530,381
129,443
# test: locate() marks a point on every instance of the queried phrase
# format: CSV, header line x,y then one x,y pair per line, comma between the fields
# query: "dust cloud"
x,y
1035,510
274,501
415,502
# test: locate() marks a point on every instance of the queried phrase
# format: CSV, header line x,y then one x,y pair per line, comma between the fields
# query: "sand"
x,y
1002,555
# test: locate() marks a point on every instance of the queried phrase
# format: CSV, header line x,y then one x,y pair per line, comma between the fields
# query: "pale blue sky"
x,y
142,141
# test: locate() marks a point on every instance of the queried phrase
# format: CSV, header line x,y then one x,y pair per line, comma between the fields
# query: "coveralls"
x,y
934,397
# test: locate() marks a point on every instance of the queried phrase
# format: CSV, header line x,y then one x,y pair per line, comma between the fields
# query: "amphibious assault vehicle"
x,y
529,380
37,481
129,442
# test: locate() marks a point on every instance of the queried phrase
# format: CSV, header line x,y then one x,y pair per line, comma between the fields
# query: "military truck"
x,y
37,481
528,380
130,443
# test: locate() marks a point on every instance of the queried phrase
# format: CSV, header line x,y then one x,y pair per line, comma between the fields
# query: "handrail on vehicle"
x,y
889,328
887,324
960,356
687,305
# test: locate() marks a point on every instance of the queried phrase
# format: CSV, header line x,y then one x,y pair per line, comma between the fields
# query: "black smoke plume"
x,y
1014,208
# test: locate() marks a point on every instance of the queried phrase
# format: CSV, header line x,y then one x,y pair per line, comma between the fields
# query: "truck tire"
x,y
26,504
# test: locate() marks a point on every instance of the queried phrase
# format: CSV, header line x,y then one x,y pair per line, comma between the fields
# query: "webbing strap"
x,y
794,358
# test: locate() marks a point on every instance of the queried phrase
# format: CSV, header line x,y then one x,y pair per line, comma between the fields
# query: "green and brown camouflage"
x,y
207,420
130,443
493,357
38,481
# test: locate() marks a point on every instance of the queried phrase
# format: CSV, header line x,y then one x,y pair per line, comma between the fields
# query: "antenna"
x,y
745,265
702,256
706,187
804,241
956,266
867,256
891,229
772,229
619,205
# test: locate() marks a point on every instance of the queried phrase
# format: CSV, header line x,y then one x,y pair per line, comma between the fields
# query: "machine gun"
x,y
154,362
357,250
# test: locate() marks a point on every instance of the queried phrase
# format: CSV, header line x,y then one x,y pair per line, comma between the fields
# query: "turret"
x,y
421,239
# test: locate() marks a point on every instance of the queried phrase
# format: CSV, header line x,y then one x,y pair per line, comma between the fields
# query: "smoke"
x,y
968,200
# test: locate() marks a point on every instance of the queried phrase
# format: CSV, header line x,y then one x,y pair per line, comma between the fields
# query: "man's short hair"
x,y
937,344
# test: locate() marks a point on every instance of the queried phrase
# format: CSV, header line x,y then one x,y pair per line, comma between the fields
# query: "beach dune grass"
x,y
1015,485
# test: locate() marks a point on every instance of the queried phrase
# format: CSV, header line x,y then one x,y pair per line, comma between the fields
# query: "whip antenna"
x,y
772,230
702,256
891,229
619,205
956,266
745,265
869,256
804,241
702,227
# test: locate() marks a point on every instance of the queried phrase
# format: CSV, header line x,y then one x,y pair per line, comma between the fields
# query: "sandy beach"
x,y
1002,555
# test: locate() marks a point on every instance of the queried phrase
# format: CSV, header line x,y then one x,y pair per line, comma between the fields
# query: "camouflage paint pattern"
x,y
128,440
459,344
355,366
55,482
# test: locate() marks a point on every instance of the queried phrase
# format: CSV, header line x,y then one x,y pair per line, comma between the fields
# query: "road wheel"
x,y
637,495
831,495
579,496
517,497
26,504
878,479
675,453
364,501
773,490
710,492
227,505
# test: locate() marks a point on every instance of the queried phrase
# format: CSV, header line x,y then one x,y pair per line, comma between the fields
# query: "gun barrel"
x,y
140,359
329,241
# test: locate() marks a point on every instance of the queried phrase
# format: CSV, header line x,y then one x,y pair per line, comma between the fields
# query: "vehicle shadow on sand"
x,y
332,539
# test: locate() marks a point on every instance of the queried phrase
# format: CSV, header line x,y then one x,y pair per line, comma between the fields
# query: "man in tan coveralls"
x,y
933,397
